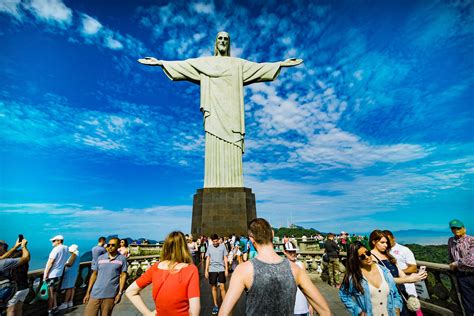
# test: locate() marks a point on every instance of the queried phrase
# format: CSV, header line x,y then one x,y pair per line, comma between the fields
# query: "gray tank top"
x,y
273,290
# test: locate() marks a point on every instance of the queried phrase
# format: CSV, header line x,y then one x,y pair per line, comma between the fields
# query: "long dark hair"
x,y
375,237
353,271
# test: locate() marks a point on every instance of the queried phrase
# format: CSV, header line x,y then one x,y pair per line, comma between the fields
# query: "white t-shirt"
x,y
301,304
60,255
404,257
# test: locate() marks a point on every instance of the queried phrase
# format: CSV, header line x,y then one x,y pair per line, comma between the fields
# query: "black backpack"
x,y
7,290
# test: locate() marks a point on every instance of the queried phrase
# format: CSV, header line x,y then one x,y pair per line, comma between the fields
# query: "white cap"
x,y
57,237
289,246
74,249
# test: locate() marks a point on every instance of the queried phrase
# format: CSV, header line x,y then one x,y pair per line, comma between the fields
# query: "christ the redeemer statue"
x,y
222,78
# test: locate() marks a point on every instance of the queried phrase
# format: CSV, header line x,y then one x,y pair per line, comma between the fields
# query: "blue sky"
x,y
374,130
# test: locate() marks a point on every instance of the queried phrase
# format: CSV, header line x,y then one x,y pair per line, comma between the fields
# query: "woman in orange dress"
x,y
175,281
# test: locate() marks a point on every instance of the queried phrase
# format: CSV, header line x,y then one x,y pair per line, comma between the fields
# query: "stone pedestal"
x,y
222,211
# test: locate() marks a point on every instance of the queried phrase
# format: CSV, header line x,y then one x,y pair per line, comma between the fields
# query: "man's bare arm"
x,y
206,271
411,268
49,264
236,287
314,297
89,288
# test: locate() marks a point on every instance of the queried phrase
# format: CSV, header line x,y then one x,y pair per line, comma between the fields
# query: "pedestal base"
x,y
222,211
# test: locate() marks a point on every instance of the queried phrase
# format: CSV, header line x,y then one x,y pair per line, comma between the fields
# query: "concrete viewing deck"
x,y
126,307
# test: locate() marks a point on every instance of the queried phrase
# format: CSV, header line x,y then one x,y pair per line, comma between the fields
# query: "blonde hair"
x,y
175,250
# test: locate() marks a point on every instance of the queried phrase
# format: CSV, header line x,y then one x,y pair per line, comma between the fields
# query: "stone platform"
x,y
126,307
222,211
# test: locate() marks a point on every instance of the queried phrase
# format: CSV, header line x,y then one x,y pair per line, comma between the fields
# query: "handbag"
x,y
411,302
43,293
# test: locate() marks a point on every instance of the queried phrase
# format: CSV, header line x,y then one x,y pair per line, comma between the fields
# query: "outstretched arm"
x,y
150,61
290,62
314,297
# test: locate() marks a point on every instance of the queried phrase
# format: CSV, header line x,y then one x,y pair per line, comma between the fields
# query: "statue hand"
x,y
150,61
290,62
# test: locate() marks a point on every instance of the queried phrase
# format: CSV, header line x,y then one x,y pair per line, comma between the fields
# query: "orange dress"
x,y
171,289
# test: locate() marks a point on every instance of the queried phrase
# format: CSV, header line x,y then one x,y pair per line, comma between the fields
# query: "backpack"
x,y
7,290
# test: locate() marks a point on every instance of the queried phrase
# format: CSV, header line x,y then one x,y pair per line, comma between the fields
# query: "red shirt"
x,y
171,290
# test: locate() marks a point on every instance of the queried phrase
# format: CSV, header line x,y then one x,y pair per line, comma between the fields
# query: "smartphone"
x,y
20,237
422,269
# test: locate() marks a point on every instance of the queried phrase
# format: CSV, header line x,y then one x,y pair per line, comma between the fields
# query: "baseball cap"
x,y
289,246
57,237
456,223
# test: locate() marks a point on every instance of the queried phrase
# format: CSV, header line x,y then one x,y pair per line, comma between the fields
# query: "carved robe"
x,y
222,103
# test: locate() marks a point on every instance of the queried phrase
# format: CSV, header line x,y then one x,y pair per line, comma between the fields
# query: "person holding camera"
x,y
14,267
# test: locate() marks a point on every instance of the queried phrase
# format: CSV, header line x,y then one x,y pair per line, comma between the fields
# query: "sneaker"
x,y
63,306
70,304
215,310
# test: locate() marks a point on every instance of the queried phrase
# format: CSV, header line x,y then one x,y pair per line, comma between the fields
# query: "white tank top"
x,y
378,296
301,304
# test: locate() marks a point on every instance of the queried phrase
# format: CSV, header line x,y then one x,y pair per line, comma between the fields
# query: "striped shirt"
x,y
461,250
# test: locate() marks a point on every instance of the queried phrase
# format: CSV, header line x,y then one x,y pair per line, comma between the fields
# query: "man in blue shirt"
x,y
107,282
98,250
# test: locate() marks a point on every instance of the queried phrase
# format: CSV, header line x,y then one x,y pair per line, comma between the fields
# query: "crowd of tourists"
x,y
377,278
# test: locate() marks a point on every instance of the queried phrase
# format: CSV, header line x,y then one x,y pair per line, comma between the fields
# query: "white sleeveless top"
x,y
301,303
378,296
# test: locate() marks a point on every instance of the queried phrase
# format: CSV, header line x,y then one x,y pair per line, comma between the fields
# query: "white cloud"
x,y
203,8
160,219
363,198
342,149
90,26
51,11
112,43
11,7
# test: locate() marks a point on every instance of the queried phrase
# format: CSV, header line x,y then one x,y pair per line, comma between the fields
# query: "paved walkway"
x,y
126,307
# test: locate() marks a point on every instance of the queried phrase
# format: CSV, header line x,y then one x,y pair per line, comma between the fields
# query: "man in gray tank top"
x,y
269,280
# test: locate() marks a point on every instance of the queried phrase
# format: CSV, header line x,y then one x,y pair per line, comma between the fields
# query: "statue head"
x,y
222,45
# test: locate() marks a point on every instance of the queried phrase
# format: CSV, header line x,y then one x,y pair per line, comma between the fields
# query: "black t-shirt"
x,y
20,274
332,249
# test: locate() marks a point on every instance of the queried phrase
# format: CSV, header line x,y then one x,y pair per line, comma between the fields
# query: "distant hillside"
x,y
431,253
87,256
296,231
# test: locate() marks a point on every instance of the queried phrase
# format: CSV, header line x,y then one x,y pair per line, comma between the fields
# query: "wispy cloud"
x,y
90,26
132,130
334,203
11,7
160,220
59,17
51,11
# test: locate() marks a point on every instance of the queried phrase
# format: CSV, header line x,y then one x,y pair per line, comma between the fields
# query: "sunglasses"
x,y
111,245
365,255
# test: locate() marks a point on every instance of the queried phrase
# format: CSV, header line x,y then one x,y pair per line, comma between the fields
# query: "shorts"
x,y
19,297
53,283
104,305
215,277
